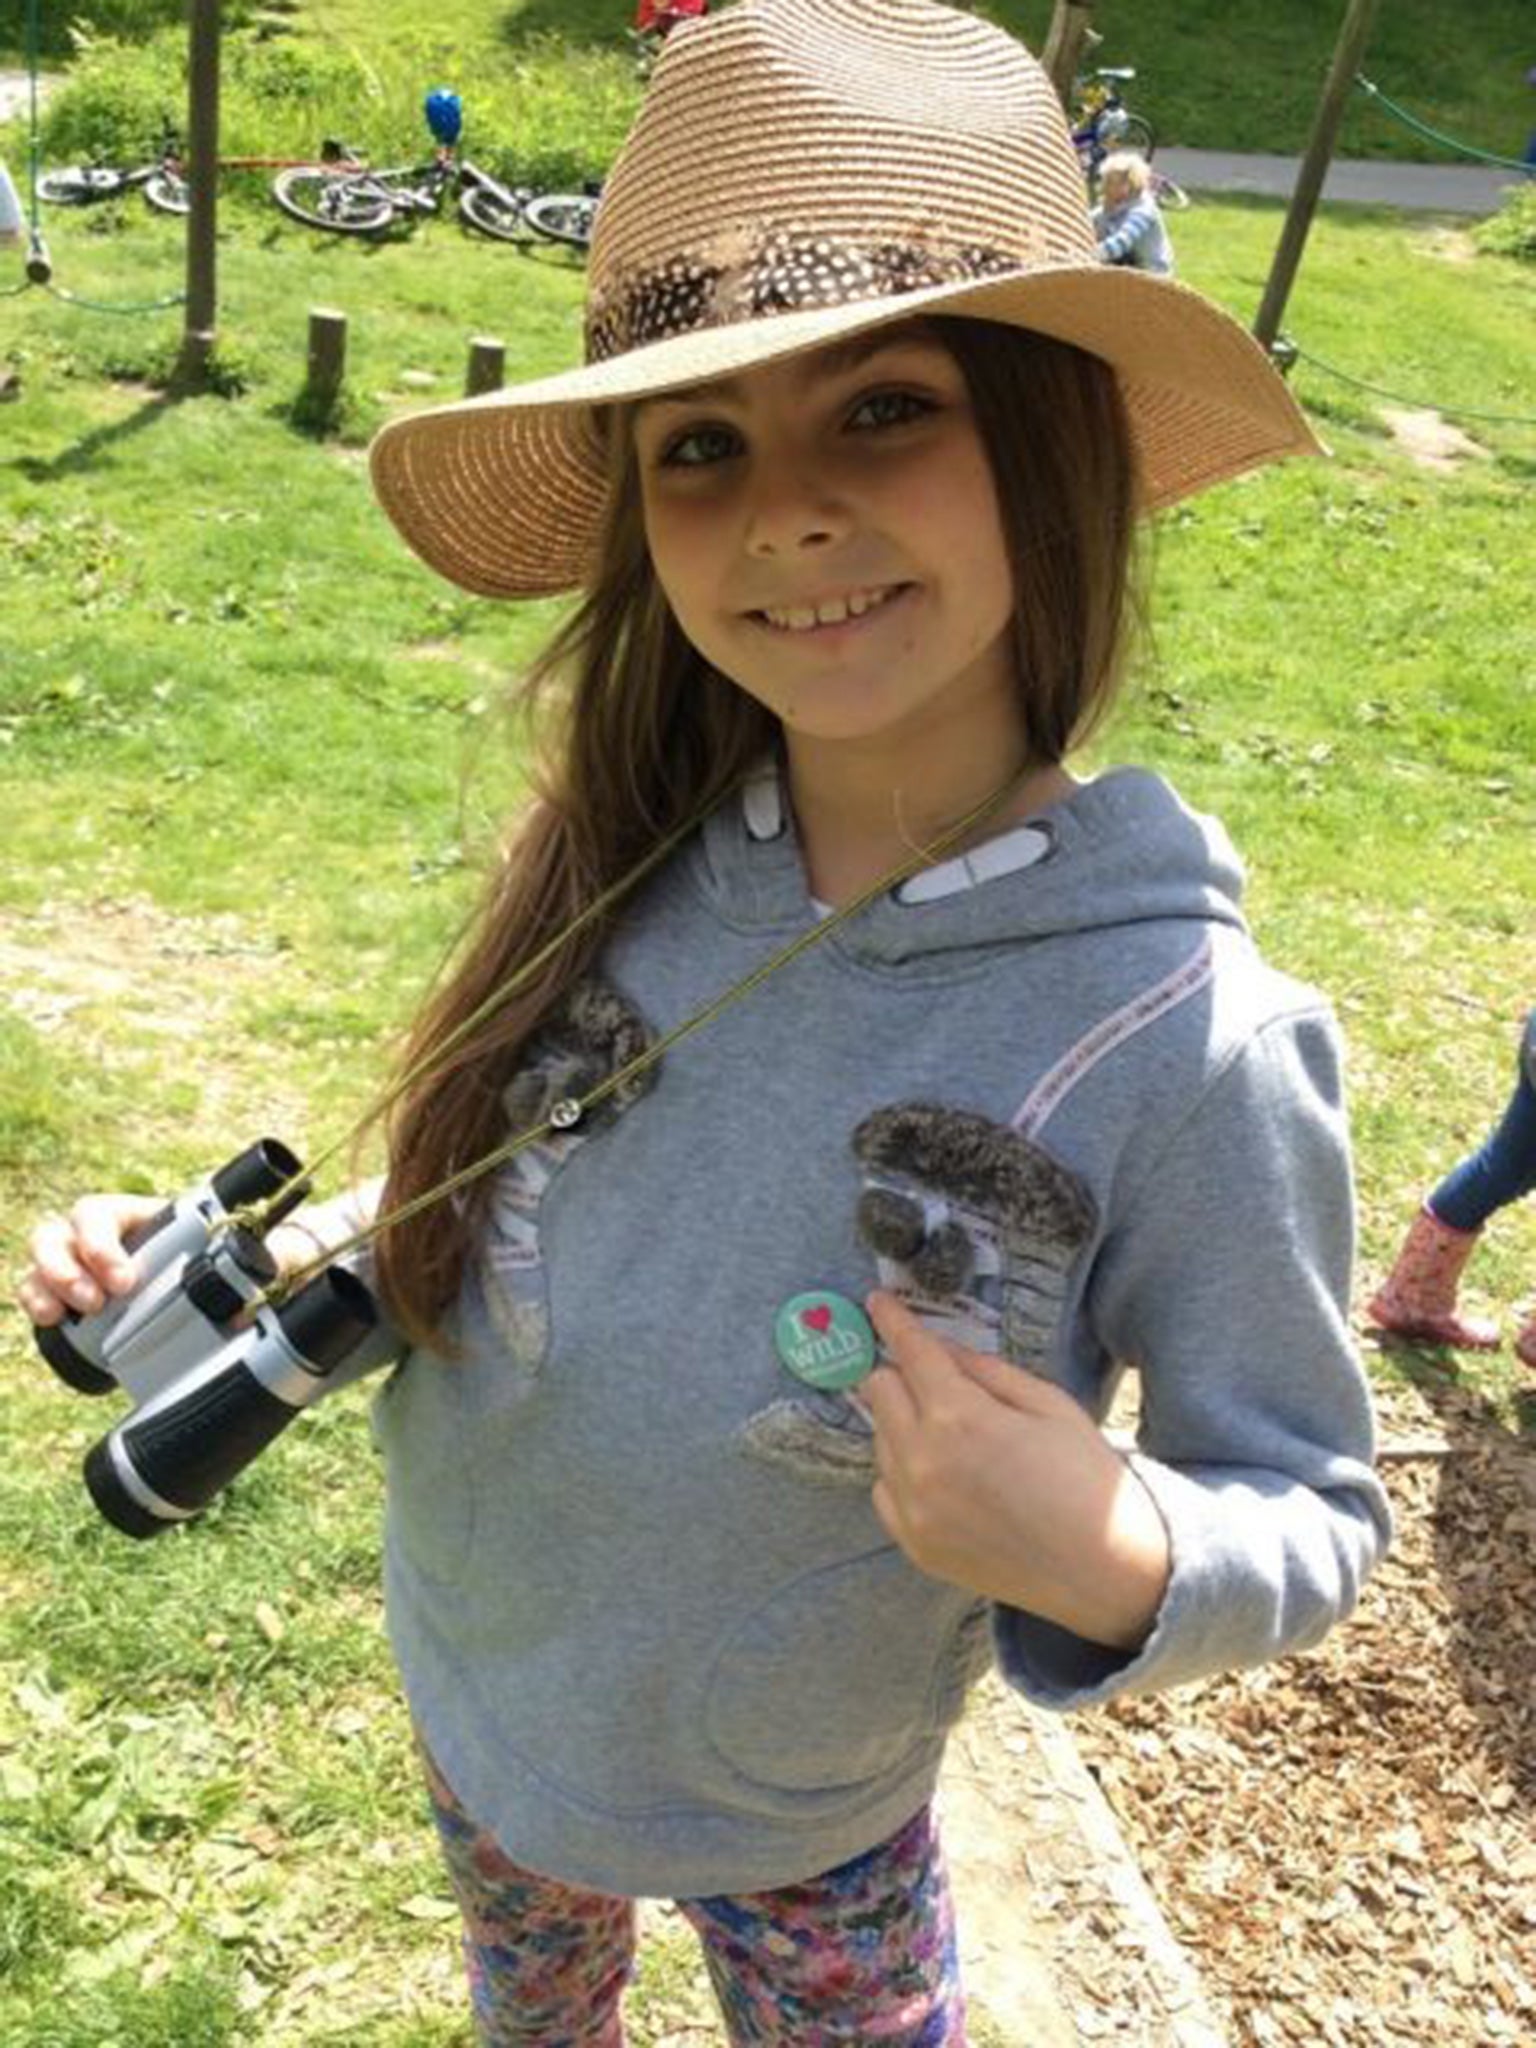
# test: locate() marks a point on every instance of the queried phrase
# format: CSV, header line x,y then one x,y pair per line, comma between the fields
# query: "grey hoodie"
x,y
648,1622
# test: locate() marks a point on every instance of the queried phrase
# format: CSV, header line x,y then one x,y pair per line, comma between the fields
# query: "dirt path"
x,y
16,94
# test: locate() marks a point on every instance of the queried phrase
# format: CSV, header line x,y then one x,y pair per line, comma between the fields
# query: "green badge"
x,y
825,1340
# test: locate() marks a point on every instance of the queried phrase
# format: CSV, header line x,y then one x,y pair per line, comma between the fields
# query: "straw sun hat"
x,y
801,170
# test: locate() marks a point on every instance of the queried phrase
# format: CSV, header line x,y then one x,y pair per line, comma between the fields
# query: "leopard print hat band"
x,y
801,170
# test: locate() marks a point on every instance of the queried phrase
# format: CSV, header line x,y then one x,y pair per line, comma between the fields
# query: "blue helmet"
x,y
445,116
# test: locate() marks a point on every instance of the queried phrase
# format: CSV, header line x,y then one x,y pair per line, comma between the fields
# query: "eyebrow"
x,y
837,357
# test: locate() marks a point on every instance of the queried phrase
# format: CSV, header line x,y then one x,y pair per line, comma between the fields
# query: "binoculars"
x,y
214,1371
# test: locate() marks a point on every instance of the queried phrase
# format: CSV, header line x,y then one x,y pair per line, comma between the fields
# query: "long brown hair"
x,y
637,734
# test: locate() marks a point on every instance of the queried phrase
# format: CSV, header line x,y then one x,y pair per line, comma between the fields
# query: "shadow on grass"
x,y
1484,1523
598,24
92,448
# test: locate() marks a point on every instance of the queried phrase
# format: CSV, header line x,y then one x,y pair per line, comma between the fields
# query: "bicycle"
x,y
370,202
1102,122
164,182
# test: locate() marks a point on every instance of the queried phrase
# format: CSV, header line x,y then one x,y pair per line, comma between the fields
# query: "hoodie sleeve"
x,y
1226,1284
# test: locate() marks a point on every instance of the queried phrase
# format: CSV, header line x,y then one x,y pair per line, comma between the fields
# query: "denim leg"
x,y
1504,1166
547,1963
863,1956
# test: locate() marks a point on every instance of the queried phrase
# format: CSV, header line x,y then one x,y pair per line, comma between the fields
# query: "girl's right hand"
x,y
78,1261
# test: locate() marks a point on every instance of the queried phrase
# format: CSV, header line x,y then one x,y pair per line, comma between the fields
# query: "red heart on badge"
x,y
817,1318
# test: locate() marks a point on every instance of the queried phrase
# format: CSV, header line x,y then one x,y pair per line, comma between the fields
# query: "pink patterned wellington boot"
x,y
1417,1300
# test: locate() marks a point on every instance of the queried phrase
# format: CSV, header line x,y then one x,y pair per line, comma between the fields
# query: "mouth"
x,y
829,613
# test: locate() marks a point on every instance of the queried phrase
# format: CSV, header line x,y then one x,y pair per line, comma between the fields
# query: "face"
x,y
826,530
1118,189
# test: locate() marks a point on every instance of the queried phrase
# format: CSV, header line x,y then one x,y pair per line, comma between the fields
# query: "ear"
x,y
890,1223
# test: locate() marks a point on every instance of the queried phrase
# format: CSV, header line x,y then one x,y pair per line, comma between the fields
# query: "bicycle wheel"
x,y
562,217
1170,197
167,192
80,184
344,205
1135,133
482,207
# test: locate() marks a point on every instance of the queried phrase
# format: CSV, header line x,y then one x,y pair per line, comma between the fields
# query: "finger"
x,y
1014,1384
887,1400
57,1268
79,1258
38,1302
295,1247
924,1361
100,1223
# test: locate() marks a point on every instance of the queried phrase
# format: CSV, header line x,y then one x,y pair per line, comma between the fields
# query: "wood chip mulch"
x,y
1345,1842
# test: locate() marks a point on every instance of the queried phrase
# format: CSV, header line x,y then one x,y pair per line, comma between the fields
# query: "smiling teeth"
x,y
835,612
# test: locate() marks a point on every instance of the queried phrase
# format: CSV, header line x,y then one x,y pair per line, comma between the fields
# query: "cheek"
x,y
982,544
679,549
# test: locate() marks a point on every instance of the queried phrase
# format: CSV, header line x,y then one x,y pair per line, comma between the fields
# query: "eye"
x,y
890,409
698,447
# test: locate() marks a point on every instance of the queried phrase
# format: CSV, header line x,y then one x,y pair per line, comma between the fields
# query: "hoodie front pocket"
x,y
420,1425
841,1675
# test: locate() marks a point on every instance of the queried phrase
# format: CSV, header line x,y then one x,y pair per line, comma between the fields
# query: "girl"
x,y
1417,1300
1128,222
897,1092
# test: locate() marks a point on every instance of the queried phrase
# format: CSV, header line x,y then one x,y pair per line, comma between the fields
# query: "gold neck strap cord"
x,y
566,1114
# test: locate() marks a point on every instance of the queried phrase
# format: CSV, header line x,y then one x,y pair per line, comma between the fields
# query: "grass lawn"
x,y
249,762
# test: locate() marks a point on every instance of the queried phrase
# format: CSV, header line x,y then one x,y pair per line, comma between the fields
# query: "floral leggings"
x,y
860,1956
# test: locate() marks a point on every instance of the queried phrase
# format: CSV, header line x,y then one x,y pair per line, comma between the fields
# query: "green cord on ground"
x,y
100,306
1508,163
1459,412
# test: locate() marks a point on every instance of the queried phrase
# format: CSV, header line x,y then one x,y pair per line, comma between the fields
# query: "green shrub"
x,y
1512,230
118,97
543,114
273,96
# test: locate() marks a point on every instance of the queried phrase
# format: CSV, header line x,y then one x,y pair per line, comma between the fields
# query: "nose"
x,y
792,507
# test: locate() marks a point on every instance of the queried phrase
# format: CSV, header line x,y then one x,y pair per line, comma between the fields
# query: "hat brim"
x,y
503,494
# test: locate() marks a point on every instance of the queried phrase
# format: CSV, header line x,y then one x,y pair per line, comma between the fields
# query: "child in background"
x,y
660,17
1128,221
1417,1300
901,1092
655,21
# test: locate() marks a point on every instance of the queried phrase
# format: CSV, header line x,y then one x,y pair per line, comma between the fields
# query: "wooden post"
x,y
1063,53
1314,169
327,359
487,369
201,319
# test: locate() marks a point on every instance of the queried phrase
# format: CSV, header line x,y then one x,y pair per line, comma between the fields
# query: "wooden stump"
x,y
487,369
327,357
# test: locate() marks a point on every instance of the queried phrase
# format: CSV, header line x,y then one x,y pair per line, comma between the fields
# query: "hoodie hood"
x,y
1121,850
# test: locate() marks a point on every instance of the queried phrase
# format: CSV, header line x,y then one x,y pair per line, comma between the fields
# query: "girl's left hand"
x,y
996,1480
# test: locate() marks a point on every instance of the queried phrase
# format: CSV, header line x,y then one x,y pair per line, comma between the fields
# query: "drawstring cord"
x,y
572,1110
